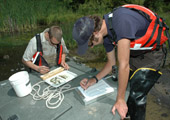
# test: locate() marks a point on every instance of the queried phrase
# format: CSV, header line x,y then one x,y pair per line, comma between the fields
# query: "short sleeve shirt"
x,y
127,24
49,52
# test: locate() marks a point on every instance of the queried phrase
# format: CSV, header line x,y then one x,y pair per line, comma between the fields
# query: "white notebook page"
x,y
96,90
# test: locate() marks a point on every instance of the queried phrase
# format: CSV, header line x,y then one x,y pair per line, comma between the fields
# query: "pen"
x,y
87,82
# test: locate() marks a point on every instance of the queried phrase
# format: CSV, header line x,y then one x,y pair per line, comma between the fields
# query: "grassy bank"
x,y
27,15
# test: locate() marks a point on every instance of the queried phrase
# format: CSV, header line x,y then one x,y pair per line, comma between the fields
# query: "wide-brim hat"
x,y
82,30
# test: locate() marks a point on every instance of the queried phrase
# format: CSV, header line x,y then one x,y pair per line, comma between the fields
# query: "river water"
x,y
13,46
10,59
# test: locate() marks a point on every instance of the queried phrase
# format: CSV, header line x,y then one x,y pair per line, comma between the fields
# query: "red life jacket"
x,y
38,56
154,36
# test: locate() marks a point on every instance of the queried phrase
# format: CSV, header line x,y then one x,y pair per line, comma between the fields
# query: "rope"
x,y
50,94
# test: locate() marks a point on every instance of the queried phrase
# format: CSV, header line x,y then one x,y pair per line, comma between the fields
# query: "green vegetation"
x,y
19,15
27,15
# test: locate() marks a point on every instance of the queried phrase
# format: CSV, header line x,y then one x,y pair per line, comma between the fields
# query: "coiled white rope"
x,y
50,93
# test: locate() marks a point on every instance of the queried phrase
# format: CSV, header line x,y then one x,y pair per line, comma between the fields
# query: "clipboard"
x,y
94,93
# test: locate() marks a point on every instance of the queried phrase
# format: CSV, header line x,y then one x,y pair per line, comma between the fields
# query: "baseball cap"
x,y
82,30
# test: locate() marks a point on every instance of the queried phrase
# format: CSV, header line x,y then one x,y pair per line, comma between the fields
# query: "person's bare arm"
x,y
40,69
106,69
63,62
108,66
123,58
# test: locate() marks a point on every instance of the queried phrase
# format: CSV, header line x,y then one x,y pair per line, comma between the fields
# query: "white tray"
x,y
62,78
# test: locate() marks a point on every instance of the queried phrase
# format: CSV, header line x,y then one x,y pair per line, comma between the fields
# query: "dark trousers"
x,y
142,81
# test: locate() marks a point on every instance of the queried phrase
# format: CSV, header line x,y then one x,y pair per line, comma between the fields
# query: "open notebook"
x,y
95,92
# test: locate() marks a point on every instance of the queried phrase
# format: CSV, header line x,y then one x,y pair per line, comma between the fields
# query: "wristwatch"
x,y
95,79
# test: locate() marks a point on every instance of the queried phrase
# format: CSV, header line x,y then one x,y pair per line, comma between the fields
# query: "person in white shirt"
x,y
50,38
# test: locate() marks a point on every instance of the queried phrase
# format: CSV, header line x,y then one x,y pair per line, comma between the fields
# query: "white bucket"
x,y
21,84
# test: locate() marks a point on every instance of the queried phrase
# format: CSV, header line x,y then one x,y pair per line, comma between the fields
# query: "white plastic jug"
x,y
21,84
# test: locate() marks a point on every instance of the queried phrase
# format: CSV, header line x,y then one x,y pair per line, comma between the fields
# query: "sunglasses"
x,y
52,43
90,43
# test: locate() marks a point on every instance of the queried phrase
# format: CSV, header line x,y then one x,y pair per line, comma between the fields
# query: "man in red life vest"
x,y
137,33
45,50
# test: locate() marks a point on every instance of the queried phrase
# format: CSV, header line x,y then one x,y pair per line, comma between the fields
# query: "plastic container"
x,y
21,84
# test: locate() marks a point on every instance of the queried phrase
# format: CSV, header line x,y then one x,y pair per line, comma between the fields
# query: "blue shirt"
x,y
126,24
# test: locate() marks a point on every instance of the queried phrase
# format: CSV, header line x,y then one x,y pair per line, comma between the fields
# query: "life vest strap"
x,y
39,45
59,51
165,55
142,13
38,56
167,33
151,37
40,61
111,28
159,32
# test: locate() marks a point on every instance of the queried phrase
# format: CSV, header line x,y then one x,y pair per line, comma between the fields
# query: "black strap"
x,y
167,33
39,45
111,29
142,13
58,53
95,79
165,55
39,49
153,32
159,33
